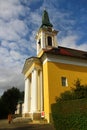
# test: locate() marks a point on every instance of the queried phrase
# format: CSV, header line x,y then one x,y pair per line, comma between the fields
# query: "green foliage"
x,y
21,96
70,110
9,100
70,115
68,95
80,91
76,121
77,92
3,109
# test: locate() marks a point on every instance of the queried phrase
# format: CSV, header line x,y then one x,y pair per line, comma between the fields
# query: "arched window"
x,y
49,41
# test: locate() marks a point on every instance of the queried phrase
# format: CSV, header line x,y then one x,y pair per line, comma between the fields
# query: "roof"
x,y
63,51
67,52
29,61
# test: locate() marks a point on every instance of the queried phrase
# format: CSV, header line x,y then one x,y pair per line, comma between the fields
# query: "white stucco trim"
x,y
65,60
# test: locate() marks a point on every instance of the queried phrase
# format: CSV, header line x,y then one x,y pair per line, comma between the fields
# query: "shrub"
x,y
70,115
70,110
77,92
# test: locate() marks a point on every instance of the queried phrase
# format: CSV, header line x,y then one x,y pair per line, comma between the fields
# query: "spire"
x,y
45,20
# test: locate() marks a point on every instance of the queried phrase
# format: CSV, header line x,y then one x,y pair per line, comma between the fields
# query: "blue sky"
x,y
19,22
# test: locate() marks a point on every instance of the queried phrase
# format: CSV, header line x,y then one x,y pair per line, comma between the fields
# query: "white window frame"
x,y
64,81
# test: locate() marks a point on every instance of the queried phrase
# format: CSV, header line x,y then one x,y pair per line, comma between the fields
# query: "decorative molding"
x,y
65,60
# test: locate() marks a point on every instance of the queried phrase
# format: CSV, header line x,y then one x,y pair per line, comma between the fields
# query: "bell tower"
x,y
46,35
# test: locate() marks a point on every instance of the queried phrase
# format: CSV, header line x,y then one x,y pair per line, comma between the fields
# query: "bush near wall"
x,y
70,115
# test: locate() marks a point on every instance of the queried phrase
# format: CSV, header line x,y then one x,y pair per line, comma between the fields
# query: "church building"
x,y
52,72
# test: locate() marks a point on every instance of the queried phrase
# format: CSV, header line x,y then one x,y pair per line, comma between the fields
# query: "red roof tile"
x,y
67,52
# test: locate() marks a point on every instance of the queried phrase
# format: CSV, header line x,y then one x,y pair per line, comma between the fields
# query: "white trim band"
x,y
66,60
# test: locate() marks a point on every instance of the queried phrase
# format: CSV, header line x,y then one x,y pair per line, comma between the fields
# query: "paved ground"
x,y
24,126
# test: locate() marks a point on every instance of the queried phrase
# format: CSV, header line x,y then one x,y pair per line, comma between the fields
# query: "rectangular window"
x,y
64,81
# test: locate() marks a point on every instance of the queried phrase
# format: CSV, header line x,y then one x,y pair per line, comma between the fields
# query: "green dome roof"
x,y
45,20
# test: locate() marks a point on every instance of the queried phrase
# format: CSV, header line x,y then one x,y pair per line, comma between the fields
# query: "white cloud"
x,y
83,46
32,40
4,51
10,79
19,27
7,33
13,30
10,9
70,41
35,18
15,55
11,46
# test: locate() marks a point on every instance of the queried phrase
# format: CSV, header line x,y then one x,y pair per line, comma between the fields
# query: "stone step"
x,y
22,119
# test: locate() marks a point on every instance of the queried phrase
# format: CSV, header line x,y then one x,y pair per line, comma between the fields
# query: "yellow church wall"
x,y
58,70
52,73
46,91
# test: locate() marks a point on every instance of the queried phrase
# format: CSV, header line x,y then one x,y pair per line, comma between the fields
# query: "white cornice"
x,y
65,60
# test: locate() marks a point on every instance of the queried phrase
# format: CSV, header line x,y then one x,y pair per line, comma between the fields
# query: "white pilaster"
x,y
26,96
42,40
41,88
34,91
55,41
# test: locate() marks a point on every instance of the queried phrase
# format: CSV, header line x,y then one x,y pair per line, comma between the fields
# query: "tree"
x,y
77,92
80,90
21,97
3,109
10,98
69,114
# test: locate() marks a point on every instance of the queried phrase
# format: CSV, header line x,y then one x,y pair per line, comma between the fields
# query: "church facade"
x,y
52,72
